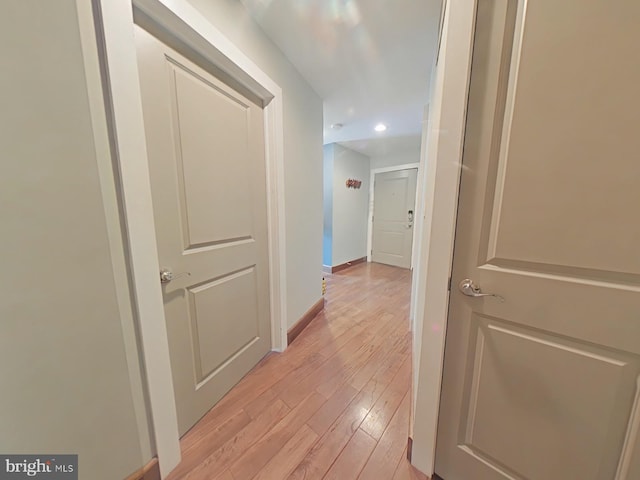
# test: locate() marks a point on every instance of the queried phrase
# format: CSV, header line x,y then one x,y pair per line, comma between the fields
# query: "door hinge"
x,y
449,285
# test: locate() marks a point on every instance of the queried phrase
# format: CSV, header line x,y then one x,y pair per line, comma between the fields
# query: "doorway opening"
x,y
370,204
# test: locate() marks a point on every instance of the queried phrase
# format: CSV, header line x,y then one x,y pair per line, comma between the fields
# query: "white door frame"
x,y
115,23
444,147
374,171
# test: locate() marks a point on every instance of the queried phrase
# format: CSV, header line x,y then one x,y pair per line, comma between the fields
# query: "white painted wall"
x,y
68,358
302,151
402,157
350,207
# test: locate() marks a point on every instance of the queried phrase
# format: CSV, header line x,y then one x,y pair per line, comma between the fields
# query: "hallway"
x,y
335,405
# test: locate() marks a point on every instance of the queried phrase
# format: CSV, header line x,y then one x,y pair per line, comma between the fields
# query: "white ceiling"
x,y
369,60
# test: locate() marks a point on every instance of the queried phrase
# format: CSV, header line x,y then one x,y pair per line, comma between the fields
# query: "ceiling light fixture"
x,y
336,126
381,127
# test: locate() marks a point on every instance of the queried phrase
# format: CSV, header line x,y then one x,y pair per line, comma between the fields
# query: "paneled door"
x,y
394,196
207,165
541,381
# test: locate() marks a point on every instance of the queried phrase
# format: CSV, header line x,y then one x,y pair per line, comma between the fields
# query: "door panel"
x,y
394,196
207,167
214,172
557,157
565,416
215,342
546,384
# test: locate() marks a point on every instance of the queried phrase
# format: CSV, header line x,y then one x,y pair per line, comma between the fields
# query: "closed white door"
x,y
544,383
394,196
207,166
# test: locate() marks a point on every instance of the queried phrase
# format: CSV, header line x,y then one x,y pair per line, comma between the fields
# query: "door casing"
x,y
442,157
115,22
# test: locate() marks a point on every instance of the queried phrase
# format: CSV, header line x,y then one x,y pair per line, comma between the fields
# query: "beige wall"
x,y
68,361
402,157
350,207
302,151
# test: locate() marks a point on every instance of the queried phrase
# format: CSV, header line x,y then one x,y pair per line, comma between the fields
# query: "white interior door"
x,y
206,153
394,196
545,384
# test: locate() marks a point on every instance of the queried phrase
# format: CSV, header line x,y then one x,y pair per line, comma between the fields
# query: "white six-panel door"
x,y
544,383
207,167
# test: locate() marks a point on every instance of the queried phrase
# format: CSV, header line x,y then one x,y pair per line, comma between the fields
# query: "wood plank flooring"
x,y
334,406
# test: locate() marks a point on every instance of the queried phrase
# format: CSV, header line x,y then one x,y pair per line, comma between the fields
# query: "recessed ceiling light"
x,y
381,127
336,126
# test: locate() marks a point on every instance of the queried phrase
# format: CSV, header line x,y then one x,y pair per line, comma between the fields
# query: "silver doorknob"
x,y
470,289
167,275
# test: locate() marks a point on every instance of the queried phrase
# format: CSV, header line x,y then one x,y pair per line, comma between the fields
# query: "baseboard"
x,y
301,324
344,265
151,471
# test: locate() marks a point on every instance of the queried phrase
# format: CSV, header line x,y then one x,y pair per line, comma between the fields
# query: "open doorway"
x,y
369,206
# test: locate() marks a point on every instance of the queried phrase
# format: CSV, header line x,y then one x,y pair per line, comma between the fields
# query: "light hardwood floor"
x,y
335,405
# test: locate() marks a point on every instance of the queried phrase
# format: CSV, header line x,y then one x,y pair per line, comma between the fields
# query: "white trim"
x,y
274,149
186,24
374,172
135,189
395,168
419,207
444,152
418,277
108,185
420,211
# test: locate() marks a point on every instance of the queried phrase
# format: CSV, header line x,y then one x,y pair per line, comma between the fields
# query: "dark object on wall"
x,y
352,183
